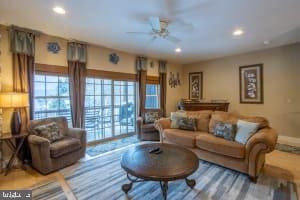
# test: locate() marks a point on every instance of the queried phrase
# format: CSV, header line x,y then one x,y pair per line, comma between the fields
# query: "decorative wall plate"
x,y
114,58
53,47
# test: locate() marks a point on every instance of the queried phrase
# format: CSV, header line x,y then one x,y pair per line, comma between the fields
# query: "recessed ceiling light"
x,y
238,32
59,10
177,50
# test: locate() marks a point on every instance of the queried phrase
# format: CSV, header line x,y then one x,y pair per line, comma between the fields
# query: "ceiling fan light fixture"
x,y
178,50
59,10
238,32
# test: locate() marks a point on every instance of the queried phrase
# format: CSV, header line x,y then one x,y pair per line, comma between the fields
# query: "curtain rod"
x,y
77,41
27,30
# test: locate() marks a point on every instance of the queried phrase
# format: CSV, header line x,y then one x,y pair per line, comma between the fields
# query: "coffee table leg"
x,y
126,187
190,182
164,188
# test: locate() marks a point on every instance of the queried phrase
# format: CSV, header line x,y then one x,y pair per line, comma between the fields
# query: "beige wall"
x,y
97,59
281,85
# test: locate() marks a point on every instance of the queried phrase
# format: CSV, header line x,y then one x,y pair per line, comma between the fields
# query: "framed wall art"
x,y
251,84
195,85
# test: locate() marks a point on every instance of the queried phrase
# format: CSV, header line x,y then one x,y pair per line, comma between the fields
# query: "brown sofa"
x,y
48,157
248,158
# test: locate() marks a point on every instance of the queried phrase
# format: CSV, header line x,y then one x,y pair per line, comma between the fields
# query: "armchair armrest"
x,y
161,124
37,140
40,153
79,134
262,142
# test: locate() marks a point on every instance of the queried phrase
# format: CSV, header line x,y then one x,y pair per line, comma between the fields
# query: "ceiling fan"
x,y
159,28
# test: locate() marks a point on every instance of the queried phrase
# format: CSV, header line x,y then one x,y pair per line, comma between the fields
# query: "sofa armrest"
x,y
262,142
266,136
139,124
161,124
40,153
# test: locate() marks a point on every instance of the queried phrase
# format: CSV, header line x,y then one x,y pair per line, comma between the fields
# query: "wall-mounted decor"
x,y
53,47
174,81
151,64
114,58
251,84
195,85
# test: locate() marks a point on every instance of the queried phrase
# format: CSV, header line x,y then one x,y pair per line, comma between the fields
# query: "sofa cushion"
x,y
64,146
186,123
175,116
225,130
182,137
245,130
224,117
220,146
147,128
203,118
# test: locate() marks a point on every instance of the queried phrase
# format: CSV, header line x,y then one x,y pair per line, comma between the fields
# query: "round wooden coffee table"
x,y
172,163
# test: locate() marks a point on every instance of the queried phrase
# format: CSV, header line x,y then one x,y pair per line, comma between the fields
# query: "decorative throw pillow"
x,y
49,131
151,116
175,116
186,123
245,130
225,130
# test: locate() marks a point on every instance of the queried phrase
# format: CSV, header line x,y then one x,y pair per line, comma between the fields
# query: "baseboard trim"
x,y
293,141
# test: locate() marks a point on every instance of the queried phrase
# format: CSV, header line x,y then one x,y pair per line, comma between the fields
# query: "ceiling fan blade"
x,y
155,23
172,39
150,42
141,33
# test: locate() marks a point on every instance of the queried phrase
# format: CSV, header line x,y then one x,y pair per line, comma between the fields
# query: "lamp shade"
x,y
13,100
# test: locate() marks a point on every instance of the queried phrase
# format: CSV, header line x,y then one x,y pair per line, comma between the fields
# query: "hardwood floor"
x,y
279,164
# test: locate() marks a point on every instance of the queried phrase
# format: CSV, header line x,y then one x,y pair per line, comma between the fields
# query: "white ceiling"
x,y
105,22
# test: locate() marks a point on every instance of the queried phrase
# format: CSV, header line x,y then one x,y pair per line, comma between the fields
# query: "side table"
x,y
8,139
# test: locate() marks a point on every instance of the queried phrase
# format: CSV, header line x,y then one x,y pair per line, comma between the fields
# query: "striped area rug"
x,y
48,191
102,178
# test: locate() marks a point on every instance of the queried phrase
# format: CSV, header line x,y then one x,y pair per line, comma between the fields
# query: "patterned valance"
x,y
22,42
77,52
141,63
162,66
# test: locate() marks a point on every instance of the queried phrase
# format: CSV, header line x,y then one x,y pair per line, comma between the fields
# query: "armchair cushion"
x,y
64,146
50,131
147,128
151,116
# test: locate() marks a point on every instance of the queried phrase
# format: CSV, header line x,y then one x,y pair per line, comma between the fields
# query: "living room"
x,y
169,100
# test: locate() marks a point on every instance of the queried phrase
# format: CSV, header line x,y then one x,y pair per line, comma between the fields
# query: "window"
x,y
152,96
51,96
109,108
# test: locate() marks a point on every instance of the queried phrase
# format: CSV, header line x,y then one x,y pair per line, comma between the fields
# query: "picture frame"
x,y
196,85
251,84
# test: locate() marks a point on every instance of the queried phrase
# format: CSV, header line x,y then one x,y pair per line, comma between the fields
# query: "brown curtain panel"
x,y
163,86
22,46
141,67
141,78
77,75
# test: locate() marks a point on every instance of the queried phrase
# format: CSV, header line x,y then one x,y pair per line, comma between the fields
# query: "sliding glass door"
x,y
110,108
